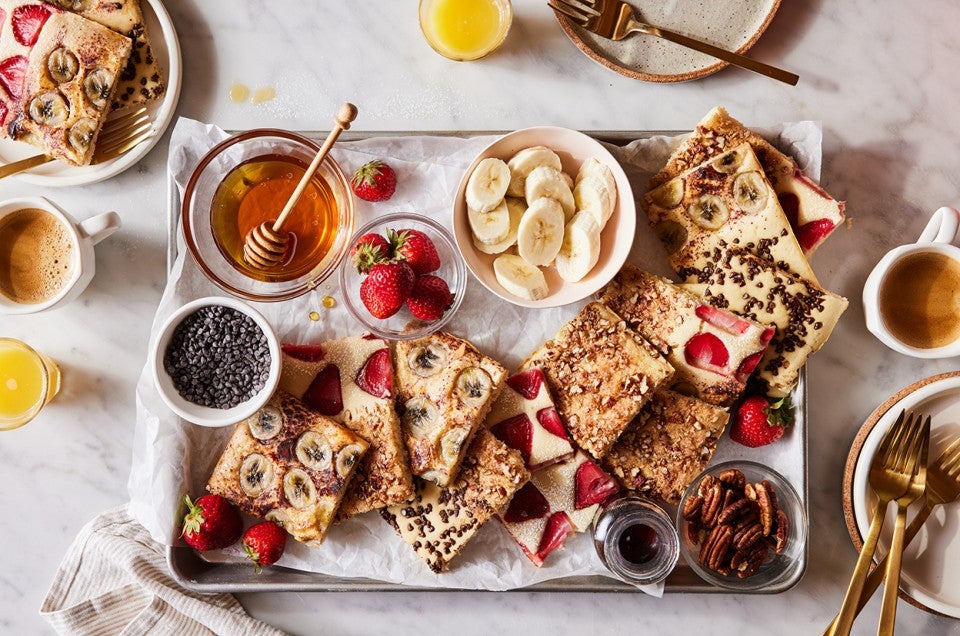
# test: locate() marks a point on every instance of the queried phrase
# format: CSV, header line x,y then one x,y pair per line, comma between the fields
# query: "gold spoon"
x,y
266,244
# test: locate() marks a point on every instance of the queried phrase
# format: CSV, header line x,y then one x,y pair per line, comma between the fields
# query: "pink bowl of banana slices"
x,y
544,217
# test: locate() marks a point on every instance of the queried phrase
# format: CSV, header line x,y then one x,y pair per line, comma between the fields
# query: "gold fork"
x,y
615,20
891,471
943,486
120,134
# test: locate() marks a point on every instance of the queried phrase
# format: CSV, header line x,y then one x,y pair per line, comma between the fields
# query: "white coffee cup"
x,y
82,236
911,299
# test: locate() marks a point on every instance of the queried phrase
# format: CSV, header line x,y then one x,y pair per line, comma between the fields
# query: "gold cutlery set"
x,y
898,473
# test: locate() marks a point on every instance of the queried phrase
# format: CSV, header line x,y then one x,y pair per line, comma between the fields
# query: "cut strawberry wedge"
x,y
12,71
529,503
721,319
516,432
558,527
324,393
376,376
307,353
813,233
706,351
791,207
748,365
593,486
550,420
26,22
526,383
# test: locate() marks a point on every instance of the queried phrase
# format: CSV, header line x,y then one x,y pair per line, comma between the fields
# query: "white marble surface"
x,y
882,79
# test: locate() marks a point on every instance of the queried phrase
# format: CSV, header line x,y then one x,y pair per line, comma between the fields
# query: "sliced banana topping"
x,y
524,162
669,195
426,360
540,233
435,476
63,65
276,516
256,474
580,250
516,208
750,192
49,108
549,183
451,444
474,386
313,451
672,234
419,416
593,194
520,278
709,212
298,488
265,423
487,184
492,226
81,134
729,162
97,87
346,459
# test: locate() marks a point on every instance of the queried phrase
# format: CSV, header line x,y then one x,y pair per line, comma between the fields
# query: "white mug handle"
x,y
99,227
942,227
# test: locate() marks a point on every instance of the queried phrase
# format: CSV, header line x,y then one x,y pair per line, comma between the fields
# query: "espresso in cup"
x,y
37,256
920,299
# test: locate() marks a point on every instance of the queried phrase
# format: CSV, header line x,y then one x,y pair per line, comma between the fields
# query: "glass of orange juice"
x,y
28,380
465,29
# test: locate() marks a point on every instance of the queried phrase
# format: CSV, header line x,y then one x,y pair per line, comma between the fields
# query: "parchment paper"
x,y
172,457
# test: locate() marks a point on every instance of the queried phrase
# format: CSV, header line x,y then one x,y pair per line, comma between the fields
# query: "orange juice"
x,y
465,29
28,380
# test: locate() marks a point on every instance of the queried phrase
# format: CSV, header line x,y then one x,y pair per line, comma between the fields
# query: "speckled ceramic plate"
x,y
930,578
734,25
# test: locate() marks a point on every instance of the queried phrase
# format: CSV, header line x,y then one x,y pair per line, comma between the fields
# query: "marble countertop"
x,y
883,83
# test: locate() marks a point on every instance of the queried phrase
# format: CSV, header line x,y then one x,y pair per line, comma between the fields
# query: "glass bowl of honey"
x,y
245,181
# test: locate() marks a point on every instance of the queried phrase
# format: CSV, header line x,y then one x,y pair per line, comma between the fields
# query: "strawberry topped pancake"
x,y
351,381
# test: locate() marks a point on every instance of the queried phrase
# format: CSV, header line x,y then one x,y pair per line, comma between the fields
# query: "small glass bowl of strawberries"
x,y
403,277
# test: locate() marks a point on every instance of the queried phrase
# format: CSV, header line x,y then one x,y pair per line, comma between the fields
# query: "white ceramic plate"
x,y
931,564
616,239
734,25
166,49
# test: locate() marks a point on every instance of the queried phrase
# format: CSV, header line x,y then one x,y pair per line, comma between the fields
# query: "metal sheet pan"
x,y
195,573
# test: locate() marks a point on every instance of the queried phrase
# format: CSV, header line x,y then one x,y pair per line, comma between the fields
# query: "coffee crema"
x,y
920,300
36,256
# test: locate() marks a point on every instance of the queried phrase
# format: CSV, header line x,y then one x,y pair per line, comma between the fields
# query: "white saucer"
x,y
166,49
931,563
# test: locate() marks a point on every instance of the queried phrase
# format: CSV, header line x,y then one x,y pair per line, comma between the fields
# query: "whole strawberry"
x,y
416,248
264,543
759,422
386,288
374,181
369,250
211,523
429,297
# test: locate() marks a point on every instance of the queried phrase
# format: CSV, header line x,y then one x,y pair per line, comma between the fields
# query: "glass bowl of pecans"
x,y
742,527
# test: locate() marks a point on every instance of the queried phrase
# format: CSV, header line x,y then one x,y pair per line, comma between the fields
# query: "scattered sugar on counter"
x,y
218,357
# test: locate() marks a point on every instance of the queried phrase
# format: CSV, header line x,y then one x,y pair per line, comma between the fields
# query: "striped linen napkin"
x,y
113,580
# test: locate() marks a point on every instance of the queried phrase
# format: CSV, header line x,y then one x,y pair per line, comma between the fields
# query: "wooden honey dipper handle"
x,y
348,112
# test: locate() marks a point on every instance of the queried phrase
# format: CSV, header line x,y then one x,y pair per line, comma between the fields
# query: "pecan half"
x,y
783,531
713,553
746,537
712,503
729,514
746,562
733,477
706,484
768,512
691,507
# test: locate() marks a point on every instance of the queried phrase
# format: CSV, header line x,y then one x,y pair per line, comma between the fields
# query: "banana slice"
x,y
474,385
97,87
346,458
49,108
451,444
520,278
750,192
487,184
581,247
256,474
728,162
516,208
419,415
669,195
313,451
298,488
426,360
522,163
672,234
266,423
594,195
541,231
490,227
81,134
63,65
709,212
547,182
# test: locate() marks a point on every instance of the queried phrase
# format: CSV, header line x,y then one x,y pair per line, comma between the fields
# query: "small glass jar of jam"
x,y
636,540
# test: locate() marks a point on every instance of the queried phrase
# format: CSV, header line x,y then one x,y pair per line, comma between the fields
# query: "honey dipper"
x,y
266,244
